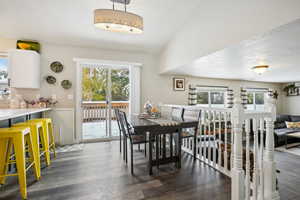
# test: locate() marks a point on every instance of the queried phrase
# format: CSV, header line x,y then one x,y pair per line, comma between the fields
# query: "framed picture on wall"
x,y
178,84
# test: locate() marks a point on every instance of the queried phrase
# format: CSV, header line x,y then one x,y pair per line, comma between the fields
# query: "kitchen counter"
x,y
6,114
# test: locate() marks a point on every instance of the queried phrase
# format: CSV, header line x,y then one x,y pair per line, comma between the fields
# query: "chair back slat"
x,y
177,113
116,111
189,114
123,123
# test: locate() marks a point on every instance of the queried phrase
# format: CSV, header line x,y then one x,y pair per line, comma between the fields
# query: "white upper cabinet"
x,y
24,69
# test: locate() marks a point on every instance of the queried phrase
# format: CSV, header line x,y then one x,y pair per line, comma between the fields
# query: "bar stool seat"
x,y
39,138
15,139
48,128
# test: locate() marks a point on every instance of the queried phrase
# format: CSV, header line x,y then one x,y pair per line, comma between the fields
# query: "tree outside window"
x,y
211,99
255,100
4,88
94,84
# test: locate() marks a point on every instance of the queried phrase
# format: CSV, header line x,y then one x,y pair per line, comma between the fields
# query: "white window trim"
x,y
254,92
210,90
4,55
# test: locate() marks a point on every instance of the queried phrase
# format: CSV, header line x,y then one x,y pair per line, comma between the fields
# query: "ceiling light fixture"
x,y
118,20
260,69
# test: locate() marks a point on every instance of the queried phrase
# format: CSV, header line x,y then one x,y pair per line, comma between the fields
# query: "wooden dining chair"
x,y
177,113
189,114
191,132
134,139
116,110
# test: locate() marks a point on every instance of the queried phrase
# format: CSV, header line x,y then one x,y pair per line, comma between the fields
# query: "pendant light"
x,y
260,69
118,21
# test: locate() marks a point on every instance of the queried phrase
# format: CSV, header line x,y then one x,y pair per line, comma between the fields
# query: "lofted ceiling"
x,y
279,48
71,22
187,33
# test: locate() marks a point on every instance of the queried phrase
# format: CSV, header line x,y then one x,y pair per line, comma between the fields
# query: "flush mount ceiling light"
x,y
118,20
260,69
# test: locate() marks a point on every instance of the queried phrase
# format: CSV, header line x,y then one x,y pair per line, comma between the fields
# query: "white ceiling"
x,y
71,22
279,48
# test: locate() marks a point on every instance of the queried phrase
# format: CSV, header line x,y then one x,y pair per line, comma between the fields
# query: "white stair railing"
x,y
239,144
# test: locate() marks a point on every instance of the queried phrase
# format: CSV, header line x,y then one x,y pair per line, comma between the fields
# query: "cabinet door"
x,y
24,69
63,120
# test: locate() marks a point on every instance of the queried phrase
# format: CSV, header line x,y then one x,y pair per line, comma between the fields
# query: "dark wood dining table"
x,y
153,129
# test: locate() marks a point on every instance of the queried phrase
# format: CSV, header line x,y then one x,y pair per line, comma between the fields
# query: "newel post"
x,y
237,173
270,190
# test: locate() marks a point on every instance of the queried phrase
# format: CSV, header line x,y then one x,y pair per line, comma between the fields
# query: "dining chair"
x,y
193,115
189,114
134,139
119,128
177,113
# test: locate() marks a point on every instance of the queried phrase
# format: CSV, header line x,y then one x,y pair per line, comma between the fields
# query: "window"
x,y
4,88
255,100
210,97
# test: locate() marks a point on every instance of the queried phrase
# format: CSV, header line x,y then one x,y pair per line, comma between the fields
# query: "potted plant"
x,y
289,88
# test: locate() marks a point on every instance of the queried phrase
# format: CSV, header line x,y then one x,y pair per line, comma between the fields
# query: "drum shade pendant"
x,y
118,21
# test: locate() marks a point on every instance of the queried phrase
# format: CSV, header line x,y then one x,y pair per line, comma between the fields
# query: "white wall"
x,y
155,87
219,25
291,105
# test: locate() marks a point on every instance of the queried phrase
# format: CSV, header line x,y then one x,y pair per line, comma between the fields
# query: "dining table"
x,y
157,130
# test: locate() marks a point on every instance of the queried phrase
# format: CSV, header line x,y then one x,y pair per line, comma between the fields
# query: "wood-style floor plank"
x,y
98,172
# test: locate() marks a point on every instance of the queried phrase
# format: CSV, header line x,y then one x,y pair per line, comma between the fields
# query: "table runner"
x,y
164,122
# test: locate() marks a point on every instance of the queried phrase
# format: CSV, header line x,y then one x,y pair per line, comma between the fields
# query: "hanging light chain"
x,y
125,3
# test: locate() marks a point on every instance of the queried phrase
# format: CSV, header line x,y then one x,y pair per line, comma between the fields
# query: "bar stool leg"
x,y
35,145
19,146
52,140
33,157
45,142
5,151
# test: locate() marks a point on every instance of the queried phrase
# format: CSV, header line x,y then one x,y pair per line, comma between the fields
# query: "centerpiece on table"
x,y
150,112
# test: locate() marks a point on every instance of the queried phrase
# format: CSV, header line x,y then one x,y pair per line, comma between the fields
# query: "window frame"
x,y
4,55
254,92
210,90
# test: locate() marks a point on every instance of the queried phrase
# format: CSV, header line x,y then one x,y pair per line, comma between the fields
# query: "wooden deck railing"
x,y
98,111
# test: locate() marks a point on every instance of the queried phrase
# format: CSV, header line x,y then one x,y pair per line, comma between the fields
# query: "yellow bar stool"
x,y
16,138
48,128
38,136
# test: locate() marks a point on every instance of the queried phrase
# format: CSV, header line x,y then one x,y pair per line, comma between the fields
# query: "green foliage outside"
x,y
94,84
202,98
259,98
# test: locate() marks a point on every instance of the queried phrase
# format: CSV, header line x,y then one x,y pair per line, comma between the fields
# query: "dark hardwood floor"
x,y
99,173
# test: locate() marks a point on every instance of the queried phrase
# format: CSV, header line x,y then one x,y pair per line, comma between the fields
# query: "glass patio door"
x,y
103,89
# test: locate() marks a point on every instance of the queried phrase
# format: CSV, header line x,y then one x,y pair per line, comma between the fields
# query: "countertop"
x,y
14,113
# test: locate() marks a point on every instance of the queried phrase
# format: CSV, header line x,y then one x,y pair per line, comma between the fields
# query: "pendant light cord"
x,y
125,3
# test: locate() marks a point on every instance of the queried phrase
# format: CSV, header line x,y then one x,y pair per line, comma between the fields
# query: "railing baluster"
x,y
225,146
209,140
219,147
200,144
247,178
261,154
255,167
206,137
215,140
